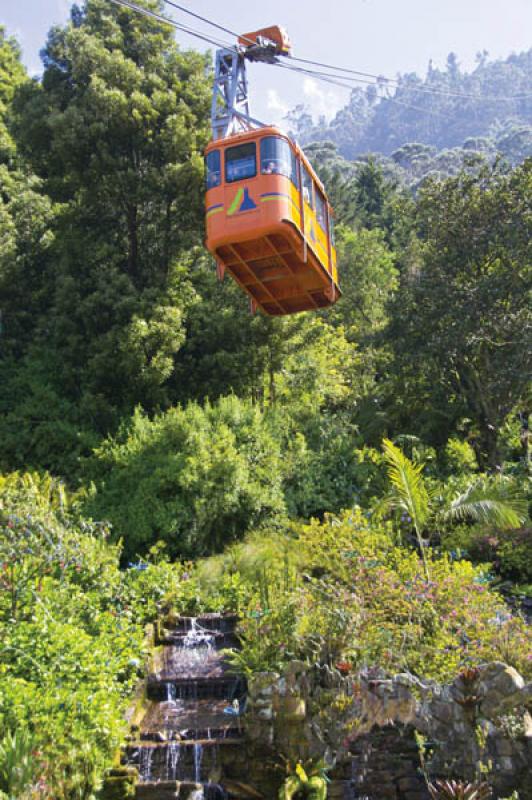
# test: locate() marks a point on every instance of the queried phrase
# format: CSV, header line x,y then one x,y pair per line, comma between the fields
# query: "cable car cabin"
x,y
269,223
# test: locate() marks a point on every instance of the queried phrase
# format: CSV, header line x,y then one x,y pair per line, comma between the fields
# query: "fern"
x,y
491,502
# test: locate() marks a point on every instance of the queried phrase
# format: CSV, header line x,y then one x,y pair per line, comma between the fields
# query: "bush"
x,y
508,550
196,477
360,597
71,634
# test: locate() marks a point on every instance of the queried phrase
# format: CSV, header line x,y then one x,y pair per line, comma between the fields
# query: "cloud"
x,y
322,102
276,105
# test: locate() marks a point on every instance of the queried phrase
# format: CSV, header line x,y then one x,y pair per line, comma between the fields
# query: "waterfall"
x,y
198,755
171,693
173,752
198,636
145,763
193,721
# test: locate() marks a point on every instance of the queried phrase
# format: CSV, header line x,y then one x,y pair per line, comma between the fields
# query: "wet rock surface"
x,y
189,739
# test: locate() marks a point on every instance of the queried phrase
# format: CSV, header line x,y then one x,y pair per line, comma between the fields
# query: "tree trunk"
x,y
133,241
487,448
525,437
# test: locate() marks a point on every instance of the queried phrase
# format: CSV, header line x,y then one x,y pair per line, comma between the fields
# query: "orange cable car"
x,y
269,223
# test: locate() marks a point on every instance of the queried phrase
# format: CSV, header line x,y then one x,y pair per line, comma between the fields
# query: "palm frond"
x,y
494,502
409,492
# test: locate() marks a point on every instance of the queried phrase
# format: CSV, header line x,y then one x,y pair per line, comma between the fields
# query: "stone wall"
x,y
365,725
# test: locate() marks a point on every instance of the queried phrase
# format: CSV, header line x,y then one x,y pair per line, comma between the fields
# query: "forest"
x,y
147,417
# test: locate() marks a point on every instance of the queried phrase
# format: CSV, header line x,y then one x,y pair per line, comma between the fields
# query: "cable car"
x,y
269,223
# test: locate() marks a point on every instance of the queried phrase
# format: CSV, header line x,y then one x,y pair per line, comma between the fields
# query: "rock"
x,y
295,666
506,764
263,682
242,791
501,678
441,711
503,747
501,687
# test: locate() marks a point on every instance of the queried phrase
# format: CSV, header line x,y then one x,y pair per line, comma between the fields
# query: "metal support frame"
x,y
230,98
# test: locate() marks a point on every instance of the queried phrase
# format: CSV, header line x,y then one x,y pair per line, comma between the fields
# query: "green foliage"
x,y
12,75
507,550
496,502
307,780
71,633
464,310
346,589
18,764
458,457
96,309
369,278
409,493
194,477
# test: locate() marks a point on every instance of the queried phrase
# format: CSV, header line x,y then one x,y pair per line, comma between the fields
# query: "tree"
x,y
369,278
115,131
494,502
461,324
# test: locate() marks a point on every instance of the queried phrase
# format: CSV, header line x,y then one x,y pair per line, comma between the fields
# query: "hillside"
x,y
434,124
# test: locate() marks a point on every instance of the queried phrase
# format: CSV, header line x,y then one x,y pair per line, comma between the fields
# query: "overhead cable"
x,y
337,80
349,71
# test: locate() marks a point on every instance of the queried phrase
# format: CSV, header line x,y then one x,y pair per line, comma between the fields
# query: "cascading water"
x,y
173,752
171,693
194,713
198,755
145,763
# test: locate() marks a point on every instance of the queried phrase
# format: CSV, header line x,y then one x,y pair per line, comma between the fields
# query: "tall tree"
x,y
462,323
115,130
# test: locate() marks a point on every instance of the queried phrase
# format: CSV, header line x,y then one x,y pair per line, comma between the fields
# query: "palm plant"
x,y
493,502
459,790
17,764
307,781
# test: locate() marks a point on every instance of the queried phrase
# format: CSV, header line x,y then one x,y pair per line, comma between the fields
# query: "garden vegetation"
x,y
354,483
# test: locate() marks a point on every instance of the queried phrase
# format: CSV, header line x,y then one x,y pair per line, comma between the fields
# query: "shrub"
x,y
71,637
508,550
360,597
194,477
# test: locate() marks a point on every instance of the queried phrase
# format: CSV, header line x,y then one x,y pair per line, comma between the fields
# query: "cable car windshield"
x,y
240,162
275,156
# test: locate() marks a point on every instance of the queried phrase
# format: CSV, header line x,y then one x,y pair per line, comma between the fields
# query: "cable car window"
x,y
214,174
294,175
321,210
275,156
331,229
307,186
240,162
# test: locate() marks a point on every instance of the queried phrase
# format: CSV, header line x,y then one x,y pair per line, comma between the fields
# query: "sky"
x,y
384,37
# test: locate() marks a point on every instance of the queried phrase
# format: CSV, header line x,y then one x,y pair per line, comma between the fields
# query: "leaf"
x,y
408,489
491,502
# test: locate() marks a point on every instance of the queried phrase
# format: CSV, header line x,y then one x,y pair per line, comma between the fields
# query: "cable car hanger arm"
x,y
230,99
